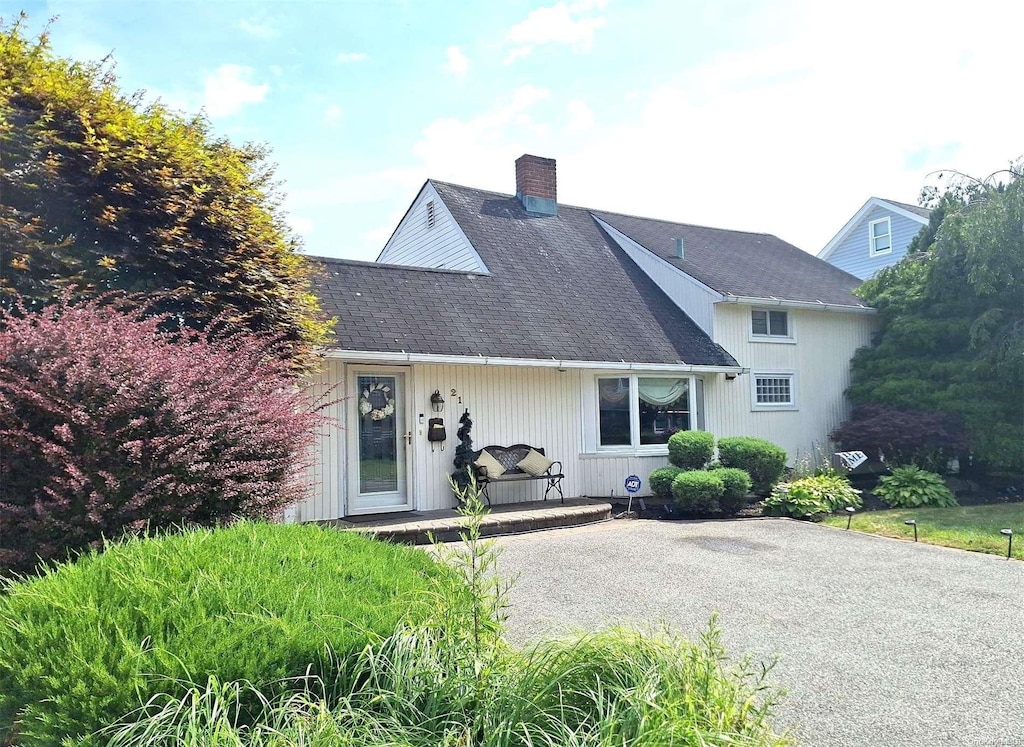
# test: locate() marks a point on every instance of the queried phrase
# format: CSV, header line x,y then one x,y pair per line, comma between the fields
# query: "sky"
x,y
780,117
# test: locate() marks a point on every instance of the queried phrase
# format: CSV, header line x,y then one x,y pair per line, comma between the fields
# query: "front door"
x,y
379,443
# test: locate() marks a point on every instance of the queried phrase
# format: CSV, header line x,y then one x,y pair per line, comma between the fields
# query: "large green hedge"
x,y
87,642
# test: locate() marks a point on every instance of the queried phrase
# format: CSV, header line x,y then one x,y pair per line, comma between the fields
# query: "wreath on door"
x,y
377,401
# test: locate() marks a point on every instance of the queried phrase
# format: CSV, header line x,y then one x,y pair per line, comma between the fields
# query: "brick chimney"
x,y
536,184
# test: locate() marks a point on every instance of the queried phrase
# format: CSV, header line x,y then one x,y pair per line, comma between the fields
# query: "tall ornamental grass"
x,y
451,681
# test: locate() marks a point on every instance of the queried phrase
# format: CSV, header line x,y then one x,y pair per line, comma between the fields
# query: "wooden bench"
x,y
509,457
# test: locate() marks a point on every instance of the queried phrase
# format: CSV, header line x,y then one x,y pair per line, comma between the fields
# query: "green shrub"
x,y
736,485
661,481
698,490
811,497
87,642
691,449
762,460
911,487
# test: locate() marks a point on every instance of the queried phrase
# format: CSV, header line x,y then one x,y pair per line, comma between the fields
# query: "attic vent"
x,y
679,248
431,214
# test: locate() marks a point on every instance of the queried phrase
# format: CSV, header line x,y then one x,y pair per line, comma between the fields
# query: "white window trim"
x,y
756,406
871,237
635,448
789,339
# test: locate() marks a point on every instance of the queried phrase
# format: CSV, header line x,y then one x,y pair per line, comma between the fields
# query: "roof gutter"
x,y
373,356
813,305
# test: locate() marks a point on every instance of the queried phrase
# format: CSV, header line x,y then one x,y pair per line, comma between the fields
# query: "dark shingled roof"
x,y
915,209
559,289
737,263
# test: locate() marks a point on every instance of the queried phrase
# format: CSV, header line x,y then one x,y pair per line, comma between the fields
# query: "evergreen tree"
x,y
951,336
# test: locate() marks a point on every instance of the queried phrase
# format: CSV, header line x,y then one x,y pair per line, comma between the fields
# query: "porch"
x,y
414,527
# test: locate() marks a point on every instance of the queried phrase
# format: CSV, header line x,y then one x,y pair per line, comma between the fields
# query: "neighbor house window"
x,y
880,236
768,324
642,410
775,390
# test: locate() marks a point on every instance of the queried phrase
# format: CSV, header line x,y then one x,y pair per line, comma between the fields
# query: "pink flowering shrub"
x,y
108,424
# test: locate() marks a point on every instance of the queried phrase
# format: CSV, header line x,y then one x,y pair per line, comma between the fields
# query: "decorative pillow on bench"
x,y
492,467
535,463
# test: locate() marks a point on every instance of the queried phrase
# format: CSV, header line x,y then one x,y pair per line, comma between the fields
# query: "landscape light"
x,y
850,511
912,523
1008,533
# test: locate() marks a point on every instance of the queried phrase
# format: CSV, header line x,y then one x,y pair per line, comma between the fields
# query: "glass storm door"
x,y
378,464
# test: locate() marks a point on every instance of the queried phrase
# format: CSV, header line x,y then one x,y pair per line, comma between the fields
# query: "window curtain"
x,y
661,392
613,391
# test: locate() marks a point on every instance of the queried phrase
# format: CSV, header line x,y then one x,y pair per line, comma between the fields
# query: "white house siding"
x,y
605,475
854,253
825,343
417,244
327,476
508,405
690,295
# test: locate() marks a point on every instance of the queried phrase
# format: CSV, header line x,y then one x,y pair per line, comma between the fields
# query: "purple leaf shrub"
x,y
927,439
108,424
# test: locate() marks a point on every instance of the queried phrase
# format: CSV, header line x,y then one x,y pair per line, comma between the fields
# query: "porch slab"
x,y
416,527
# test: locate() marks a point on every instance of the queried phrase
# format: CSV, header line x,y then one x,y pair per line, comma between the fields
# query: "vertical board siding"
x,y
605,476
508,405
327,474
825,343
686,293
854,253
442,246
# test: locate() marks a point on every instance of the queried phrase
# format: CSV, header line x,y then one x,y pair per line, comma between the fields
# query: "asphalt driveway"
x,y
881,642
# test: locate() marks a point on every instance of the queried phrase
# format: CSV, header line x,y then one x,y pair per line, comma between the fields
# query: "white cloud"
x,y
229,88
346,57
456,62
581,118
333,114
572,23
475,151
789,137
261,29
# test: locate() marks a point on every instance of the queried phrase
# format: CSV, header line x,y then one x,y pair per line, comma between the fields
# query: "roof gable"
x,y
913,212
428,236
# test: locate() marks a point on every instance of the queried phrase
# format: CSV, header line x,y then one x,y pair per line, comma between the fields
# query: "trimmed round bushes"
x,y
762,460
698,490
661,479
691,450
736,484
88,642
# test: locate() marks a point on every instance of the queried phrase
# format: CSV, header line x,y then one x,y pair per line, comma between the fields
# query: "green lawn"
x,y
967,527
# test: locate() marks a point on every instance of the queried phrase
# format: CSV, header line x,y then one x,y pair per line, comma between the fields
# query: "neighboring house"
x,y
591,334
876,236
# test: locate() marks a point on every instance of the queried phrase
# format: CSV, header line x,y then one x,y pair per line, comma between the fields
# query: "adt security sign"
x,y
633,484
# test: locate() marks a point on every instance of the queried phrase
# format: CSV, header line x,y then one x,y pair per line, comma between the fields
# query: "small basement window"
x,y
431,214
764,323
880,236
775,390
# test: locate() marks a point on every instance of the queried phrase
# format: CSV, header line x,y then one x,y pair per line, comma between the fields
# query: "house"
x,y
592,334
876,236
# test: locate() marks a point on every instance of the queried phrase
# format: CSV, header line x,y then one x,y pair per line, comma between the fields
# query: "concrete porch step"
x,y
513,518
